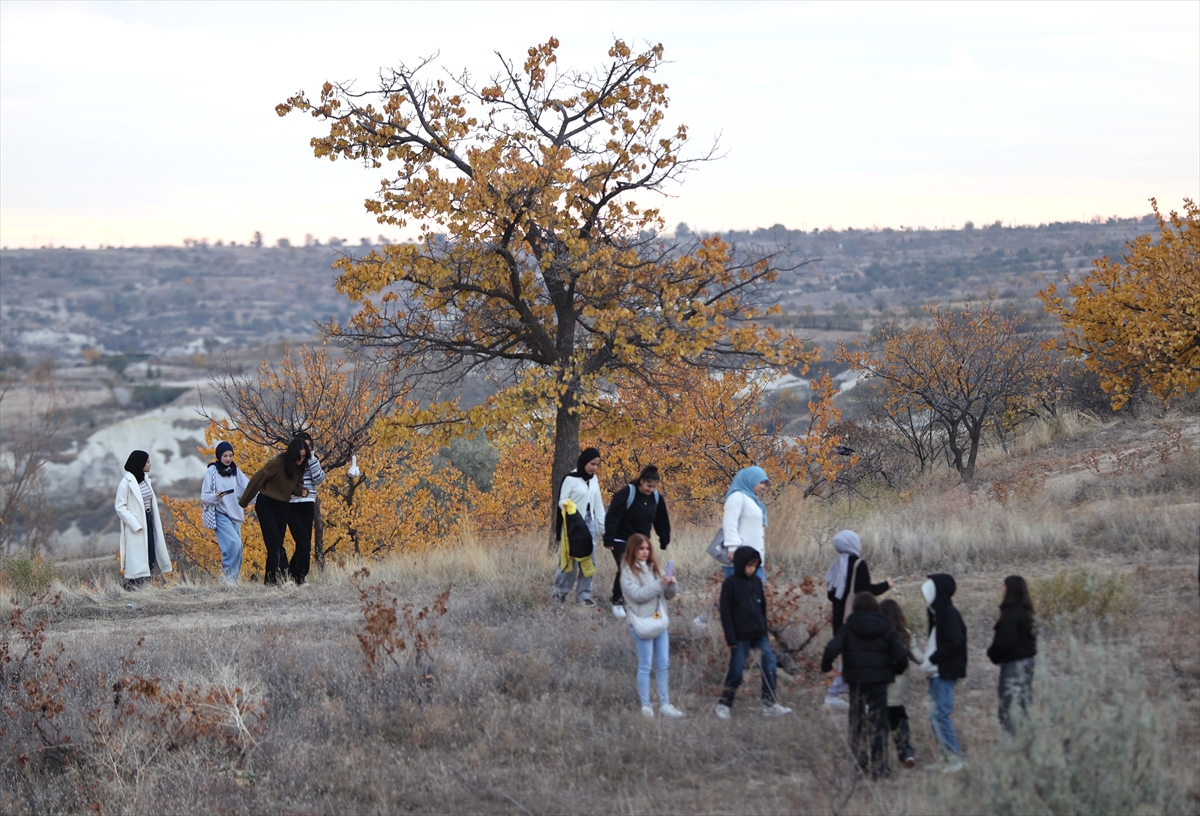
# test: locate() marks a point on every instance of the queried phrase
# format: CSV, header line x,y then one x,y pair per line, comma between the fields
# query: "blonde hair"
x,y
629,559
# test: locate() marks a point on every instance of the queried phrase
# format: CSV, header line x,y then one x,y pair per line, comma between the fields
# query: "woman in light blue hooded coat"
x,y
745,518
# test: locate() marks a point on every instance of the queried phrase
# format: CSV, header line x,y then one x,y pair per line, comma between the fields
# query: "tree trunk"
x,y
318,534
566,453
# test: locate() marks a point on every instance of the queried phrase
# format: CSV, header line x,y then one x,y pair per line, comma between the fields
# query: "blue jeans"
x,y
229,539
659,651
762,576
737,665
941,703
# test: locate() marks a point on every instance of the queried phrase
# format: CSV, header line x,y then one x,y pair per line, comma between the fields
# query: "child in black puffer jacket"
x,y
744,619
872,656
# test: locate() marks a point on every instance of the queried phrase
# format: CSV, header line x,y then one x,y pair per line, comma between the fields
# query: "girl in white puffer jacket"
x,y
646,589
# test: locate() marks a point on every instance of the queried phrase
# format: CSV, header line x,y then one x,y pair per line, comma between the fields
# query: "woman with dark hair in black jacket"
x,y
1013,649
635,508
872,656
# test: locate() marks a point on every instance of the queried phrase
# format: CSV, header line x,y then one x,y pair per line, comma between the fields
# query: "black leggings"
x,y
300,523
272,520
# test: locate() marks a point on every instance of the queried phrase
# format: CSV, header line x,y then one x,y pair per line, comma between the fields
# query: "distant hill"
x,y
170,301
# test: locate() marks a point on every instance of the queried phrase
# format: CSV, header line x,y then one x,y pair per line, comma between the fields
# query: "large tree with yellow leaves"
x,y
537,263
1139,321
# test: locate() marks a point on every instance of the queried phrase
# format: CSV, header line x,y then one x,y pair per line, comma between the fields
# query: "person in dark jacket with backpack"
x,y
872,656
945,664
1013,649
744,620
635,509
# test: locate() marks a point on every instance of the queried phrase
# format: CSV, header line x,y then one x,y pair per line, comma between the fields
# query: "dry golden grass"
x,y
523,708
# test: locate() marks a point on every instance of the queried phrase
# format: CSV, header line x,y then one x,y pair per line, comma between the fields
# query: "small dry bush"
x,y
26,576
1072,594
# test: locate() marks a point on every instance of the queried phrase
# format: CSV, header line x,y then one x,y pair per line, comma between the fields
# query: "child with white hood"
x,y
945,664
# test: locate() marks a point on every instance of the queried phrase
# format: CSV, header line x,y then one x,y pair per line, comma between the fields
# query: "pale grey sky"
x,y
148,123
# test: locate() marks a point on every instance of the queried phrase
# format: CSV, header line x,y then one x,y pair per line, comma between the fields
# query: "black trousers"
x,y
618,551
901,734
153,560
869,726
272,520
300,524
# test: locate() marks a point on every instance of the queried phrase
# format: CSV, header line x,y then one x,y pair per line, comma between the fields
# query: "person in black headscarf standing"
x,y
223,485
579,498
143,546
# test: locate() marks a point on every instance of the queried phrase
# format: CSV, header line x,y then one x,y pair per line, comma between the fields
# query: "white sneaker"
x,y
835,702
954,766
775,710
618,611
722,712
669,710
648,712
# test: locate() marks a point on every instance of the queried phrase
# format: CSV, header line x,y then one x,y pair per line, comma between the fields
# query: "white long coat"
x,y
135,561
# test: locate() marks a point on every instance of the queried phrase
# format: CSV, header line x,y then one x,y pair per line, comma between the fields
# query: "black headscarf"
x,y
580,466
221,469
136,464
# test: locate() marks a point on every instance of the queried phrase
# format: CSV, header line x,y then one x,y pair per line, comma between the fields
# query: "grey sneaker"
x,y
648,712
775,710
669,710
588,603
954,765
835,702
723,712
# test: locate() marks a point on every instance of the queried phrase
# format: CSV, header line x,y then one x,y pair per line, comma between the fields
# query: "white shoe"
x,y
954,766
723,712
835,702
775,710
619,611
669,710
648,712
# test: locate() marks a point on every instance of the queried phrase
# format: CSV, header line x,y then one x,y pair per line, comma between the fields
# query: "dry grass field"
x,y
256,700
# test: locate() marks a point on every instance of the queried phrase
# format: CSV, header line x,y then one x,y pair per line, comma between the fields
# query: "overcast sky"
x,y
137,124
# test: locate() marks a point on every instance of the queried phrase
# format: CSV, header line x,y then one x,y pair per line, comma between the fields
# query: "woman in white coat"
x,y
142,543
582,489
745,519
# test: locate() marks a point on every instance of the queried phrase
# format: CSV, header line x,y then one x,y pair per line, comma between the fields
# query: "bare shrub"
x,y
390,628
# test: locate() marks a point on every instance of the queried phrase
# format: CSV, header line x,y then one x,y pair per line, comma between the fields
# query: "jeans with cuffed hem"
x,y
229,539
737,666
941,704
656,651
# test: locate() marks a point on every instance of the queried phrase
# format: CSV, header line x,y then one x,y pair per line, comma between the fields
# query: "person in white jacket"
x,y
581,488
646,588
223,485
745,518
142,543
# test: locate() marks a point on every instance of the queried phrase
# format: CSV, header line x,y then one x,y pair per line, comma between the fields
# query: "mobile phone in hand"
x,y
224,493
670,569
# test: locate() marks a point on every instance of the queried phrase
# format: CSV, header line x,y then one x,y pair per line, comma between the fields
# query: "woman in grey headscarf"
x,y
846,577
